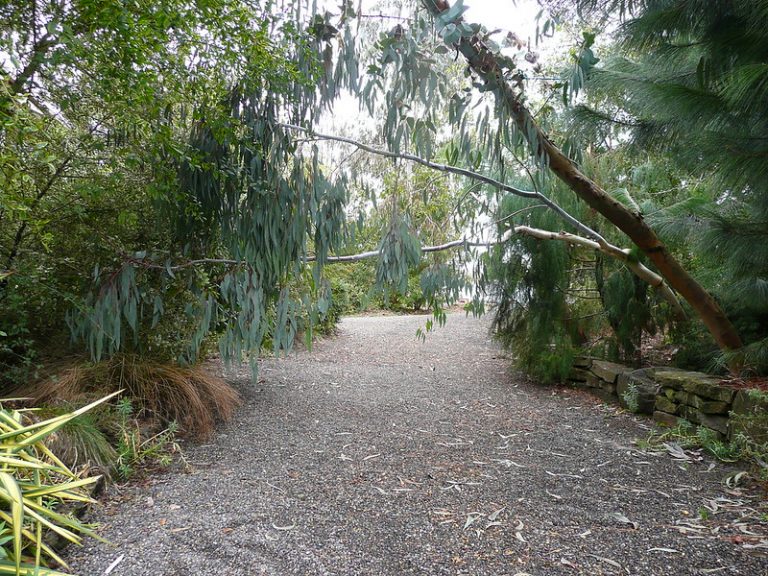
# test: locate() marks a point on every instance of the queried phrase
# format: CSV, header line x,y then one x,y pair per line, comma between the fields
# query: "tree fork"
x,y
484,63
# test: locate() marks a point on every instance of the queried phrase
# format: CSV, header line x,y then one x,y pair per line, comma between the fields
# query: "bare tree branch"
x,y
531,194
640,270
599,243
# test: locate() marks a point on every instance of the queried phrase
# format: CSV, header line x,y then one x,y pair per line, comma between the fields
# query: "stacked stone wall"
x,y
670,394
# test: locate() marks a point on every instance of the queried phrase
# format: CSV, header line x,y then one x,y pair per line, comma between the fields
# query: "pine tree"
x,y
690,81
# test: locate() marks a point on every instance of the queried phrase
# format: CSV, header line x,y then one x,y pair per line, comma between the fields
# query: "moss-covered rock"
x,y
701,404
584,362
664,404
593,381
752,402
750,415
637,392
665,418
578,375
694,382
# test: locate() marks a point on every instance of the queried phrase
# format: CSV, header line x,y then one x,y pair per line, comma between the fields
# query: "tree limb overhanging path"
x,y
379,454
593,241
485,64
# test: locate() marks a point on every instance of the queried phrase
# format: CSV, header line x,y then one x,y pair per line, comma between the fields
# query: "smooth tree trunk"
x,y
484,62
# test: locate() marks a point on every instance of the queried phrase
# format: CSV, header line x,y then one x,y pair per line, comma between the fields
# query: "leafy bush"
x,y
33,483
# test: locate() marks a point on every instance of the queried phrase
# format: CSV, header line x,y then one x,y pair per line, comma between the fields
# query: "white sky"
x,y
518,16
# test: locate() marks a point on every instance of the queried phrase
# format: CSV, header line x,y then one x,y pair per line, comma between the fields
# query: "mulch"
x,y
376,454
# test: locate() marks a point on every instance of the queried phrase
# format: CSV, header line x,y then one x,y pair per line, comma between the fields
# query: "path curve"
x,y
377,454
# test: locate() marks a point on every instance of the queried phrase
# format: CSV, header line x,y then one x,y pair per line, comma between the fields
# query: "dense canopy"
x,y
170,184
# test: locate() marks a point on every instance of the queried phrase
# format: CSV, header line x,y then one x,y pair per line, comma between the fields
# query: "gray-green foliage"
x,y
399,251
248,206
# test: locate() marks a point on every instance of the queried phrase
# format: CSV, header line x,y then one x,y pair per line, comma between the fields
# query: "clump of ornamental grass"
x,y
190,396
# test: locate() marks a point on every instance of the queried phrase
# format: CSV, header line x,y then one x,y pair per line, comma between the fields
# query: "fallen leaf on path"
x,y
563,475
607,561
735,479
283,528
619,517
114,564
680,454
492,517
471,519
509,463
761,545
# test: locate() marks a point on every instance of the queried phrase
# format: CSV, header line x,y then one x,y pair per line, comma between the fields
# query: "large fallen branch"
x,y
641,271
599,243
485,63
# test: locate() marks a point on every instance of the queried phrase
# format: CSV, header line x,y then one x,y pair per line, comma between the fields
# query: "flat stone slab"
x,y
578,374
694,382
607,371
702,405
665,418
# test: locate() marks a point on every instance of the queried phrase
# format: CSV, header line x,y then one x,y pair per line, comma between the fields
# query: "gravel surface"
x,y
379,454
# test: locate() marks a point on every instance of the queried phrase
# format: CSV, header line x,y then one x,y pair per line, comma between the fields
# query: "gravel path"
x,y
377,454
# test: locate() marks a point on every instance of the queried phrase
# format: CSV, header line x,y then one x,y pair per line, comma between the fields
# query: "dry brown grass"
x,y
191,396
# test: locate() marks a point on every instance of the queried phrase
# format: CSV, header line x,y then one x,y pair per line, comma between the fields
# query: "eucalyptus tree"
x,y
411,87
141,154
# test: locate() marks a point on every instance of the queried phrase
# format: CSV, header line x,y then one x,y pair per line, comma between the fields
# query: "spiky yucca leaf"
x,y
33,481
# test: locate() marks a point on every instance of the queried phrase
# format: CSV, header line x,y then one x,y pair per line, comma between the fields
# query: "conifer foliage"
x,y
688,83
